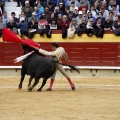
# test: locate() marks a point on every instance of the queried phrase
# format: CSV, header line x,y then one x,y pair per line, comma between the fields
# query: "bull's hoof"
x,y
19,87
29,90
38,90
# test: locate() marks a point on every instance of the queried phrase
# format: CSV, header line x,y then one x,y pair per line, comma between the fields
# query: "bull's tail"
x,y
72,67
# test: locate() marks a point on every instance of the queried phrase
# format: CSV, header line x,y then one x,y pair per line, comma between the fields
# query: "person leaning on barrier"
x,y
81,27
116,26
32,26
56,55
72,28
98,28
89,27
64,25
108,24
42,23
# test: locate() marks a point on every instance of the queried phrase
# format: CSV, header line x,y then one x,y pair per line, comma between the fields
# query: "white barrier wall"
x,y
84,73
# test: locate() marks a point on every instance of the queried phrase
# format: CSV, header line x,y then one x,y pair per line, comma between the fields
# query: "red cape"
x,y
9,36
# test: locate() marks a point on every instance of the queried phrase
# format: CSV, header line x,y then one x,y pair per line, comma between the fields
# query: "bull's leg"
x,y
30,80
22,78
21,81
34,84
43,83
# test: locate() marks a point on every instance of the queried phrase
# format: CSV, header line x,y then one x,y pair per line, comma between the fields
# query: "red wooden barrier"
x,y
80,54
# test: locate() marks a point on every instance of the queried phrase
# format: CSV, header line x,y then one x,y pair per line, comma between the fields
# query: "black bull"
x,y
37,67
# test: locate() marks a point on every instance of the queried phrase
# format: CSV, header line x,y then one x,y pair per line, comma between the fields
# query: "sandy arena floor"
x,y
94,99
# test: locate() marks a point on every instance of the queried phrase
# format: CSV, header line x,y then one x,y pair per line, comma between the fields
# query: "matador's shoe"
x,y
49,89
73,87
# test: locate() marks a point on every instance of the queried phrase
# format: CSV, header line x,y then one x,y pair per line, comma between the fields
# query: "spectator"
x,y
16,20
93,11
52,16
12,25
82,27
108,24
114,10
70,16
115,19
86,3
38,12
5,18
63,1
2,4
59,19
47,13
82,6
53,24
33,16
1,9
89,27
90,16
111,15
28,13
116,26
72,7
42,23
112,2
104,3
26,6
67,10
97,6
72,28
75,13
79,18
23,28
2,25
99,2
51,7
40,7
118,3
32,27
84,13
57,11
104,11
98,29
100,14
43,14
61,7
75,2
73,23
64,25
22,17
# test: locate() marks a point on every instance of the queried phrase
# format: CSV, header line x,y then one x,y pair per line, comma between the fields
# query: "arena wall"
x,y
92,55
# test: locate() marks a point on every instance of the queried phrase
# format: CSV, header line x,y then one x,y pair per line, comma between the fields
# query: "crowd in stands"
x,y
92,17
